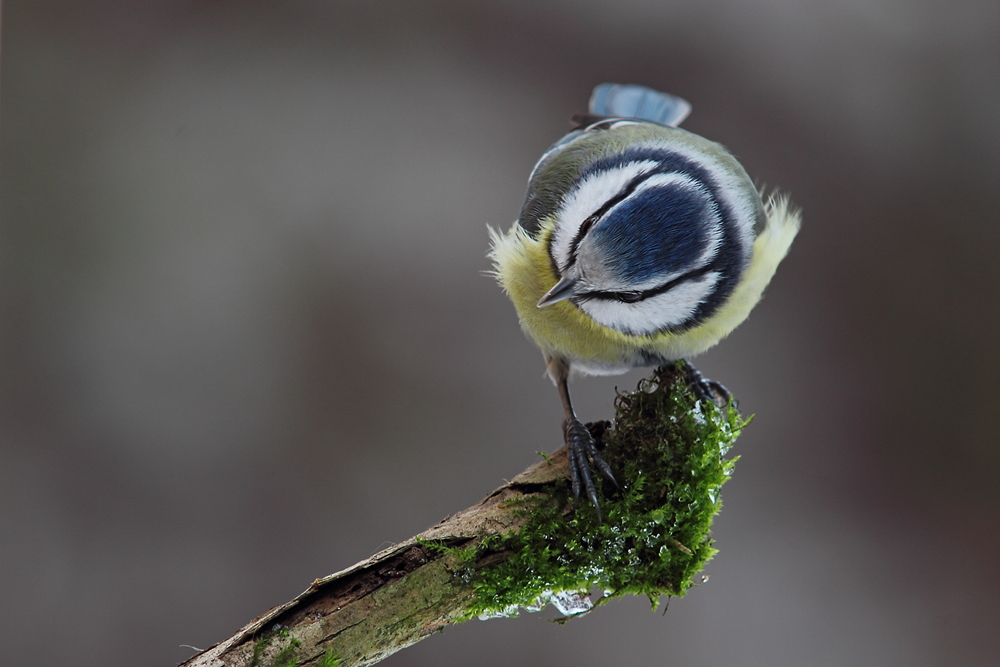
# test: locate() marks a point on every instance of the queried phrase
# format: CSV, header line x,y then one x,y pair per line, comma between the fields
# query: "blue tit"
x,y
638,244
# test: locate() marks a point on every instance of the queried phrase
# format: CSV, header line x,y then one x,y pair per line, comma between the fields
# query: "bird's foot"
x,y
705,389
582,450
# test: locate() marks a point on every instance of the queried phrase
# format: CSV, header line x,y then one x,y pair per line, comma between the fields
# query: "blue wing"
x,y
615,100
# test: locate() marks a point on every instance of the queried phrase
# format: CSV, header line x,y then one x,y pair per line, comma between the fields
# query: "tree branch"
x,y
522,545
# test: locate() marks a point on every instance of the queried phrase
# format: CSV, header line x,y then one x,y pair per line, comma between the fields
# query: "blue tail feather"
x,y
616,100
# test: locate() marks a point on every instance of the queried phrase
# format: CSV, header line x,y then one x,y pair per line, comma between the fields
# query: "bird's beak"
x,y
564,289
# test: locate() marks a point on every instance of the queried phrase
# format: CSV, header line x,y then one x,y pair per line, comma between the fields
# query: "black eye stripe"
x,y
641,295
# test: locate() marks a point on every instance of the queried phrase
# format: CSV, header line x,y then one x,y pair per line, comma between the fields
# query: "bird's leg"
x,y
705,389
580,445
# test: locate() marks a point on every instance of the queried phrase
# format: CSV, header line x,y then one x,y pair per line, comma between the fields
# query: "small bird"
x,y
638,244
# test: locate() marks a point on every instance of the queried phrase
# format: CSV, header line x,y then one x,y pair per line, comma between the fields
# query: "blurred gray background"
x,y
246,339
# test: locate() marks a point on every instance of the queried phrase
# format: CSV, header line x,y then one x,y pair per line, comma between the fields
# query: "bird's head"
x,y
641,247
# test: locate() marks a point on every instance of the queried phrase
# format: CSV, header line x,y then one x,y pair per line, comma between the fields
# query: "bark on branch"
x,y
523,544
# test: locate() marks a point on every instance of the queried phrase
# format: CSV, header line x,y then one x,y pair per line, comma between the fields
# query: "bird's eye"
x,y
628,297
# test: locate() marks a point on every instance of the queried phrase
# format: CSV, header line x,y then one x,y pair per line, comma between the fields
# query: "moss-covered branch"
x,y
523,545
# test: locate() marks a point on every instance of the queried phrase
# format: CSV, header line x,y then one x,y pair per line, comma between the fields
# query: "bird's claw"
x,y
705,389
582,450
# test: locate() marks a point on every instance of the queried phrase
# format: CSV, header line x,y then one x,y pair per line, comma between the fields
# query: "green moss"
x,y
329,659
463,555
548,459
285,657
259,647
667,452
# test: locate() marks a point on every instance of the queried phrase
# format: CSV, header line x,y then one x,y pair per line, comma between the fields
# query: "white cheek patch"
x,y
672,308
589,196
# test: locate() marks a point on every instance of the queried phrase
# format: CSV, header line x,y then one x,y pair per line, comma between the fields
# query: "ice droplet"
x,y
506,612
571,603
568,603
